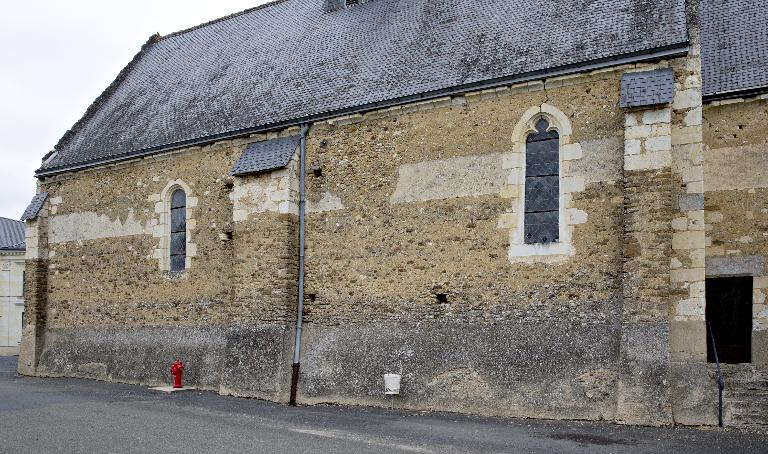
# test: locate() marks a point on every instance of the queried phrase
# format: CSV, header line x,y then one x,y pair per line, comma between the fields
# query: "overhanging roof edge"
x,y
635,57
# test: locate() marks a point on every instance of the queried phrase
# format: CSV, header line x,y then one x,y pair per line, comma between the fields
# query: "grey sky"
x,y
57,57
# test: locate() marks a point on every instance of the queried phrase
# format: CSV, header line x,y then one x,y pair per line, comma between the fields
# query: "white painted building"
x,y
12,248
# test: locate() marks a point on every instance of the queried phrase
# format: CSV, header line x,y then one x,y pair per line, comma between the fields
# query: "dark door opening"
x,y
729,313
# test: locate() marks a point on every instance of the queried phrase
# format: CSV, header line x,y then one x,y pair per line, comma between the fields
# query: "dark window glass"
x,y
178,230
542,185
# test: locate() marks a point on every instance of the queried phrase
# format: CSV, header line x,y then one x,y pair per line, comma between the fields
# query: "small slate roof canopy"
x,y
291,61
266,155
34,207
647,88
12,235
734,47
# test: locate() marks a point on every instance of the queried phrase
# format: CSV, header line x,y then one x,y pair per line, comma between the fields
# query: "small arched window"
x,y
178,247
542,185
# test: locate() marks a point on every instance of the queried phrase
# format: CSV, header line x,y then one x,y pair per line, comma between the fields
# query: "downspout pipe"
x,y
302,233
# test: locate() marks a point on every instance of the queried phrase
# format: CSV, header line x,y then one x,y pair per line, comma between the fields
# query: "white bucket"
x,y
392,384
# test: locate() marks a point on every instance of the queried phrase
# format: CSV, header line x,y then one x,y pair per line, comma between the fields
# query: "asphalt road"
x,y
73,416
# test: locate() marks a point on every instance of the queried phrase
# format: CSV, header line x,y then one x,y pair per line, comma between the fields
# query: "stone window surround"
x,y
162,230
568,215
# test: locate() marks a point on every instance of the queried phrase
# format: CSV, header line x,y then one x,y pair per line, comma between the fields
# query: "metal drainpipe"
x,y
300,308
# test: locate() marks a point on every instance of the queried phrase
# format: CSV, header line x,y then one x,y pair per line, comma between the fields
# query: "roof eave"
x,y
733,94
653,54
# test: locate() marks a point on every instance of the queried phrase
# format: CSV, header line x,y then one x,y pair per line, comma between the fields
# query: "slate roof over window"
x,y
734,45
266,155
11,235
290,60
647,88
34,206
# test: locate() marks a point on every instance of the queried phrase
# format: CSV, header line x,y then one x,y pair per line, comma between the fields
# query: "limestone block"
x,y
692,173
278,195
651,117
572,184
692,81
698,258
691,202
680,224
687,240
735,265
686,99
697,289
630,119
511,160
695,187
514,176
464,176
686,135
239,215
571,152
662,143
287,207
695,220
509,191
687,275
688,340
637,132
661,129
648,161
632,146
327,202
576,216
691,307
760,282
693,117
507,221
758,296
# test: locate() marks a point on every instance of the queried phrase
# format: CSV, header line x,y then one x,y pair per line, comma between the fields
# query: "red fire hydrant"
x,y
177,369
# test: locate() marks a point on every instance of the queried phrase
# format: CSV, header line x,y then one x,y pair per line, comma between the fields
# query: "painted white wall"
x,y
11,301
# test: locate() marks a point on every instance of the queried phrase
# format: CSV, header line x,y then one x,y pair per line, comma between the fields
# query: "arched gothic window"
x,y
178,247
542,185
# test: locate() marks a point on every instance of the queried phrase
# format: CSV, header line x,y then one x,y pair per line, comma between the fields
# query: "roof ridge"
x,y
221,19
96,104
9,219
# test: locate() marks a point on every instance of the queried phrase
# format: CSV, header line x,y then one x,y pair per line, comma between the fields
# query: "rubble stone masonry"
x,y
415,260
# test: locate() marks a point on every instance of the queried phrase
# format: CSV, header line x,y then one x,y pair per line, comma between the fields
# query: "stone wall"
x,y
415,261
416,271
736,202
103,305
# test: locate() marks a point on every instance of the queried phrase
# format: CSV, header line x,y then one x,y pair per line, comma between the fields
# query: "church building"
x,y
544,209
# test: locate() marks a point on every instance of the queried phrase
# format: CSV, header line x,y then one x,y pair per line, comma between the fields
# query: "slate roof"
x,y
647,88
266,155
734,46
34,206
290,60
11,235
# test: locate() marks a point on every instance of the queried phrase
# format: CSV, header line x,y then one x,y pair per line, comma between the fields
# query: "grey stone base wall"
x,y
244,361
551,370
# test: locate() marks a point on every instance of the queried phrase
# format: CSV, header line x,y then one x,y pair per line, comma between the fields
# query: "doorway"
x,y
729,313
